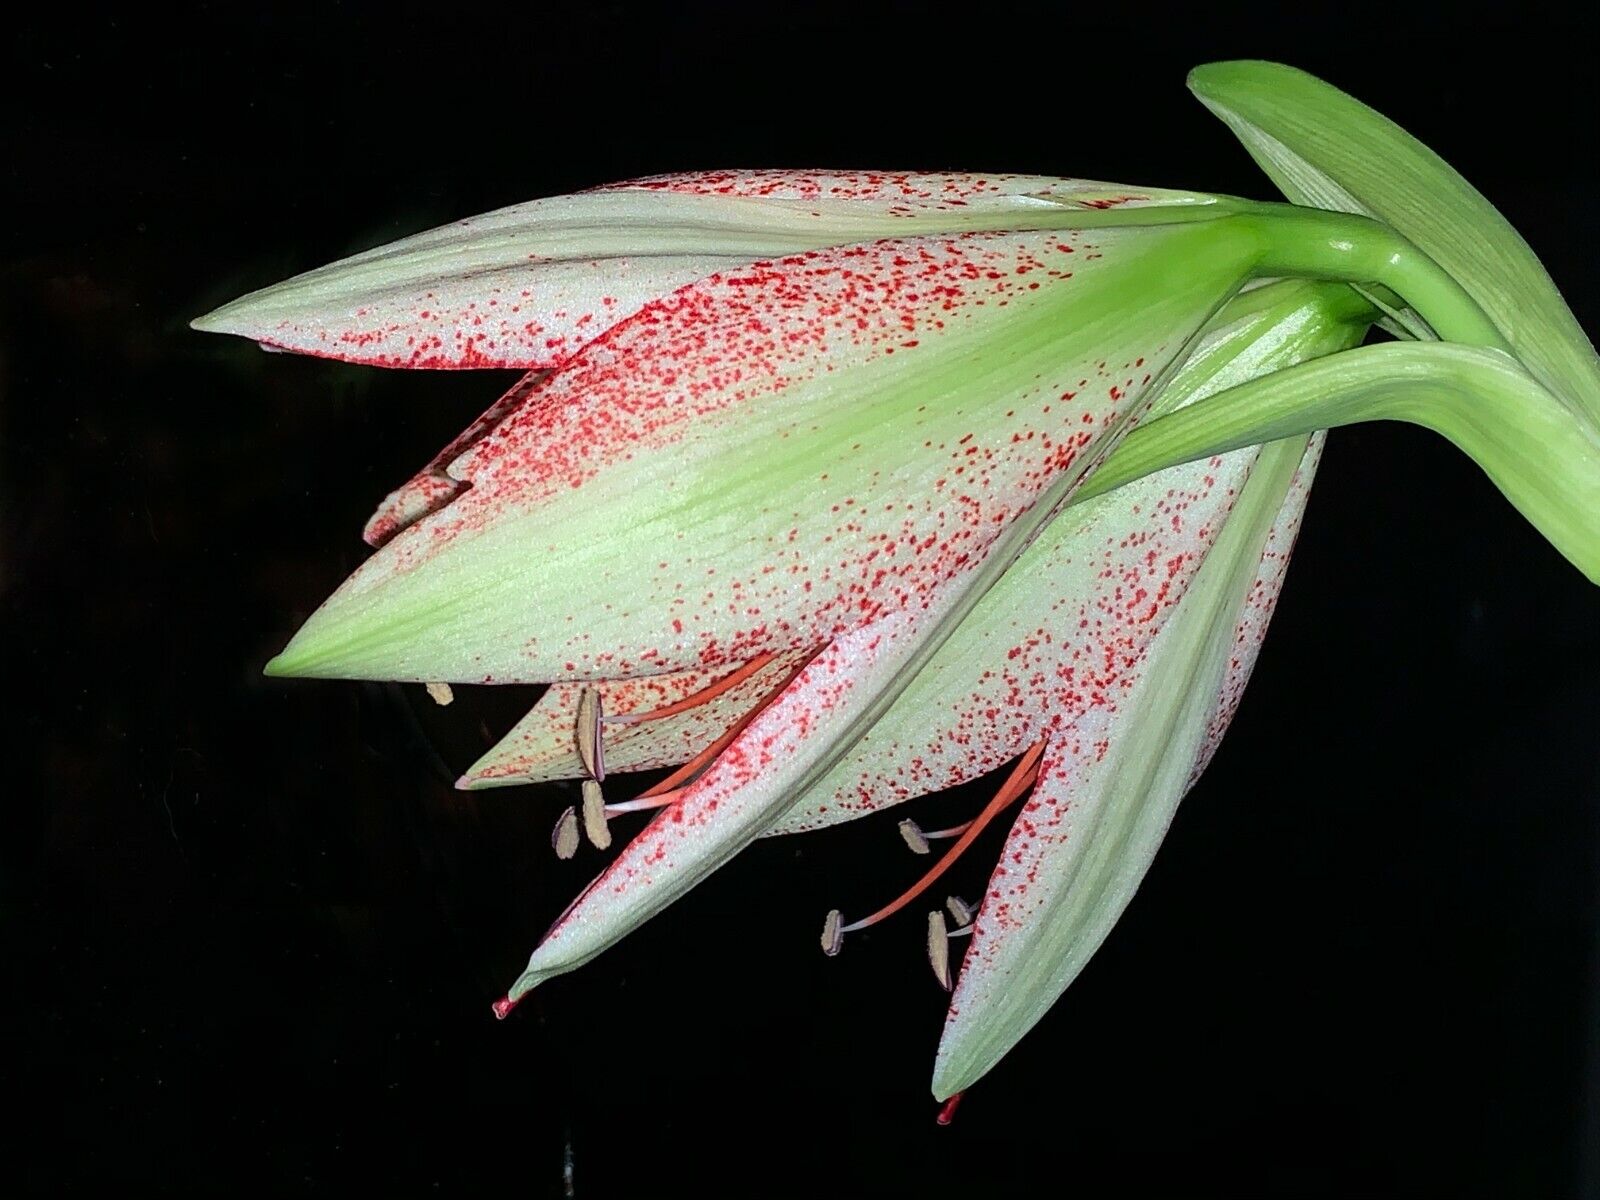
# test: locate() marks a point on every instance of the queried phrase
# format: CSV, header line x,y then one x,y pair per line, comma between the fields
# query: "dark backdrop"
x,y
250,934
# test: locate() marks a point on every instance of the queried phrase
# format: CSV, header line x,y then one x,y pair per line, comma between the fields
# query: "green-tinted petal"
x,y
541,747
778,455
528,285
1052,643
1102,804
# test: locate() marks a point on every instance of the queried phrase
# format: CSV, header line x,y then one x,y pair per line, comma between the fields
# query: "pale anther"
x,y
564,838
939,948
915,841
590,751
960,911
832,932
594,815
440,693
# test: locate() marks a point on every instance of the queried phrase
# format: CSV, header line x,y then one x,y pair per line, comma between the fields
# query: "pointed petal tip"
x,y
280,666
526,982
1208,77
946,1085
292,662
482,776
225,318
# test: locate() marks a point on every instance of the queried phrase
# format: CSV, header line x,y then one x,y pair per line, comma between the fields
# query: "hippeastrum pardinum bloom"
x,y
834,490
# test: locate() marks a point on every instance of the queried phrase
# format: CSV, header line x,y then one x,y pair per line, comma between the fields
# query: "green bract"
x,y
834,490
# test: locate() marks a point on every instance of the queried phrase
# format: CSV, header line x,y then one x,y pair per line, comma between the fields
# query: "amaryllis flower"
x,y
821,488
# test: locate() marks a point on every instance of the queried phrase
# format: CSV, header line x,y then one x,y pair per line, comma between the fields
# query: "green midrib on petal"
x,y
623,225
1157,291
1147,767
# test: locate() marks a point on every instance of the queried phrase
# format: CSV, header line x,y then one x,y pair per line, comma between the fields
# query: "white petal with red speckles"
x,y
735,799
1104,798
772,457
540,746
1053,645
529,285
433,487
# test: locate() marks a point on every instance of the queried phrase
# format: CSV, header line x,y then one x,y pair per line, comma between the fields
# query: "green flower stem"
x,y
1537,451
1317,244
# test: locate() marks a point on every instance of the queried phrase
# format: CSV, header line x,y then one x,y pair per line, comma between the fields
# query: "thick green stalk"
x,y
1318,244
1538,452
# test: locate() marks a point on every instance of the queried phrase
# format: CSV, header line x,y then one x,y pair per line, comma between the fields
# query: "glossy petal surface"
x,y
540,746
771,458
1053,647
1105,796
529,285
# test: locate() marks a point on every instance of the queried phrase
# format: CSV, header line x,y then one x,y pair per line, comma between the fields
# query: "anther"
x,y
1021,779
960,911
939,948
917,838
590,751
832,933
594,815
916,841
564,838
440,693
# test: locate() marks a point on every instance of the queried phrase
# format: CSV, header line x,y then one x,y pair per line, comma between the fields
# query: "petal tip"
x,y
280,666
1209,76
225,318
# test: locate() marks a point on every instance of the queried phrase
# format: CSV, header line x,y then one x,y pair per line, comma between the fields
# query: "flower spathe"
x,y
806,489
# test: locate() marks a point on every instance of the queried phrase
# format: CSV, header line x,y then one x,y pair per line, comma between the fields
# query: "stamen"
x,y
1018,782
960,910
939,948
440,693
590,751
695,699
667,792
917,838
644,803
948,1112
564,838
594,815
832,934
696,764
502,1007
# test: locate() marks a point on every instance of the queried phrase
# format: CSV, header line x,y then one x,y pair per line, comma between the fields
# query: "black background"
x,y
250,934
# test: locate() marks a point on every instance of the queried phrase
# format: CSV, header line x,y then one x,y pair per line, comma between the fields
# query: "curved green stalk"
x,y
1325,148
1535,448
1319,244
